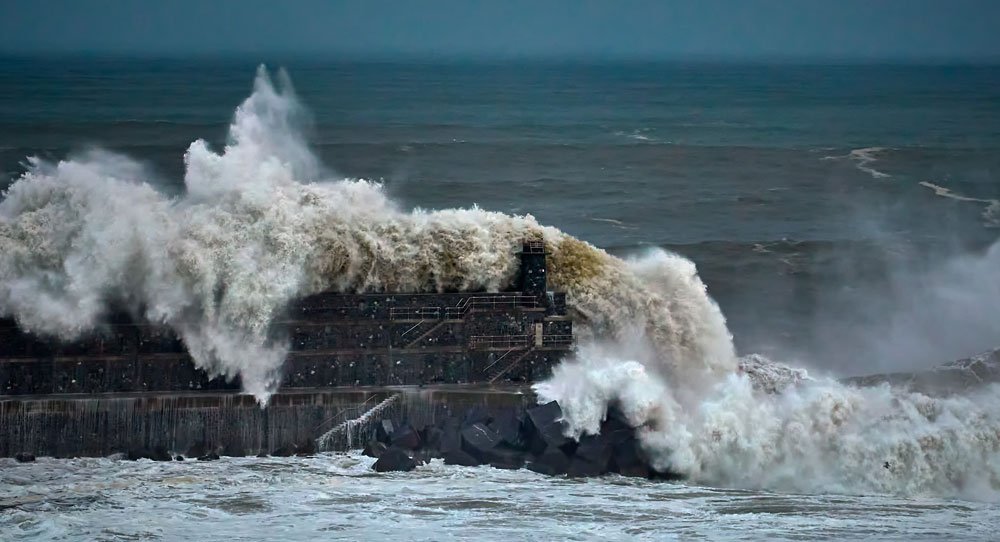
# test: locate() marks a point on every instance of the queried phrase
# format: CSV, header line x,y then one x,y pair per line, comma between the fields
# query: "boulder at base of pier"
x,y
513,438
552,462
374,449
406,437
395,459
458,457
24,457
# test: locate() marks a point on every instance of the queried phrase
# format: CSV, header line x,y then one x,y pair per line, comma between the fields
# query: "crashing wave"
x,y
775,427
260,224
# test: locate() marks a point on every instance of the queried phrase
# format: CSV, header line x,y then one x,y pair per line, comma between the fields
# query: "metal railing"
x,y
411,329
497,374
345,431
415,313
343,413
512,301
500,341
533,246
425,334
557,340
499,359
517,341
493,302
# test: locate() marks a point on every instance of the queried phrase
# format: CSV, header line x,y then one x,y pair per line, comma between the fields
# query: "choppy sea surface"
x,y
842,217
338,497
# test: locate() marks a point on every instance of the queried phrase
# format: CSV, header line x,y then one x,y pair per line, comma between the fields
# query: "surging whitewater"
x,y
261,223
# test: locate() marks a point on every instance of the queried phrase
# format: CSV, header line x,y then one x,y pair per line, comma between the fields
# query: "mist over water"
x,y
262,222
776,426
920,314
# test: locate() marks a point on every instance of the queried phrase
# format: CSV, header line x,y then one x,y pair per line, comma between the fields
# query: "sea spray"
x,y
767,425
775,427
260,223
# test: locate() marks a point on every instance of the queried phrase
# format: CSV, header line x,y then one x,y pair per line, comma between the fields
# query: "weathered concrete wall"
x,y
227,423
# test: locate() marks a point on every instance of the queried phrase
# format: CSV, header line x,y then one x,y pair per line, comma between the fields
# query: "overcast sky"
x,y
866,29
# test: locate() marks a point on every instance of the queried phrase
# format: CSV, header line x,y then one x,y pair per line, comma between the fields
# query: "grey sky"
x,y
870,29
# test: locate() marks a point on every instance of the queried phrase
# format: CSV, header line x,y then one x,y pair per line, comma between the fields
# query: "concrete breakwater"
x,y
402,426
202,424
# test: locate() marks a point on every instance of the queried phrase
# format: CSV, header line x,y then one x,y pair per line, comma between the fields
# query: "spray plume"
x,y
259,225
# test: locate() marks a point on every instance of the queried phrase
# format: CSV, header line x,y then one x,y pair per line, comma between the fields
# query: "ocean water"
x,y
842,218
338,497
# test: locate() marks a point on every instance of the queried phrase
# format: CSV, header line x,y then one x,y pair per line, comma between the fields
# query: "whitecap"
x,y
863,159
990,214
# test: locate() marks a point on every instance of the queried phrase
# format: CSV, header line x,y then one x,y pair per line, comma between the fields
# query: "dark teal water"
x,y
796,189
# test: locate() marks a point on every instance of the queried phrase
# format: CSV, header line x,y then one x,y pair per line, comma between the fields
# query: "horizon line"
x,y
427,56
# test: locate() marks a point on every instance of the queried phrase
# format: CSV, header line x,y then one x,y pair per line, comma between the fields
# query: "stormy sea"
x,y
738,243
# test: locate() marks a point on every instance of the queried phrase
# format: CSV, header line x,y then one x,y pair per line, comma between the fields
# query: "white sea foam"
x,y
261,223
615,223
863,159
775,427
641,134
991,213
768,425
338,497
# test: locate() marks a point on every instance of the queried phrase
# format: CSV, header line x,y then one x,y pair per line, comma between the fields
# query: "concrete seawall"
x,y
227,423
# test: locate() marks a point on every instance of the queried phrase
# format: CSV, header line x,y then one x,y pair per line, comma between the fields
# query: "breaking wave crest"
x,y
770,426
261,223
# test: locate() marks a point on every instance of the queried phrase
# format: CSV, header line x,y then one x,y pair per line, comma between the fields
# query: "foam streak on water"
x,y
991,213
